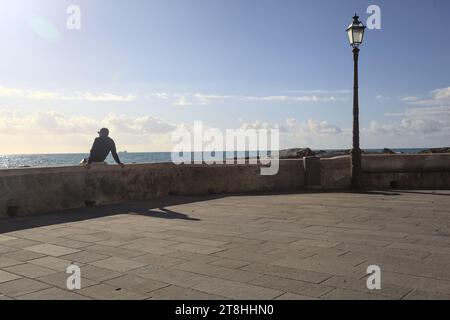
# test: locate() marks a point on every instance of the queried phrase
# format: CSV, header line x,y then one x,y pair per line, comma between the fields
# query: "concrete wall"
x,y
390,171
407,171
38,190
335,172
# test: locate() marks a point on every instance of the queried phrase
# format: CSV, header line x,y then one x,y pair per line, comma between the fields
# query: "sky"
x,y
144,68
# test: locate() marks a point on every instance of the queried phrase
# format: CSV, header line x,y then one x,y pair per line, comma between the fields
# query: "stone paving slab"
x,y
7,262
262,246
237,290
52,294
7,276
51,263
108,292
179,293
29,270
59,280
51,249
118,264
20,287
136,284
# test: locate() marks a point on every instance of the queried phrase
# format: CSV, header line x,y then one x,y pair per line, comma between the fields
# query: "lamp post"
x,y
355,35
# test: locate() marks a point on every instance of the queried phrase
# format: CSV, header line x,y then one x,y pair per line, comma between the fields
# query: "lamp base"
x,y
356,170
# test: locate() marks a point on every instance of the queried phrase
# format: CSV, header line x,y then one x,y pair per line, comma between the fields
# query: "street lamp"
x,y
356,35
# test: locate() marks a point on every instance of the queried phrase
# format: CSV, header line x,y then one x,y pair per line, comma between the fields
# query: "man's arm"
x,y
92,150
114,153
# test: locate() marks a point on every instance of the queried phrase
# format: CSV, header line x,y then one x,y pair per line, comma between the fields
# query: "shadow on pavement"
x,y
163,213
156,208
151,208
378,193
431,192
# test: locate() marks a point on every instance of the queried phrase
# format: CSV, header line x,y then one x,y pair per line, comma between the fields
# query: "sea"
x,y
72,159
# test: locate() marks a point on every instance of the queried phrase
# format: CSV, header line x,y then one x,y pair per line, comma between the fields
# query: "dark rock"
x,y
387,151
296,153
334,153
436,150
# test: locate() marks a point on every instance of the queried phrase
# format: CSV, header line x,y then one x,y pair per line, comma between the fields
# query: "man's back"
x,y
101,148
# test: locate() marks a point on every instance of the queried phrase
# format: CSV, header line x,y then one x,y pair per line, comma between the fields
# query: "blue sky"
x,y
144,68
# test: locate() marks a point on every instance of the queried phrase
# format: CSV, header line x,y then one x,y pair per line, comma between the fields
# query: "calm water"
x,y
71,159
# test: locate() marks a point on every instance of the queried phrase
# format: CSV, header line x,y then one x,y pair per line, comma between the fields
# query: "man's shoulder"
x,y
109,142
104,139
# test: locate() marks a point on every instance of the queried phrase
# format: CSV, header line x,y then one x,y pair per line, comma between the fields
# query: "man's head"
x,y
104,132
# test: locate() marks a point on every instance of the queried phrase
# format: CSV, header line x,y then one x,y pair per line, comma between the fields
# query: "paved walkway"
x,y
285,246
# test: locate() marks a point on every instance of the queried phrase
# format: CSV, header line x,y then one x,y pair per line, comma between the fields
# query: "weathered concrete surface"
x,y
279,246
407,171
406,163
407,180
335,172
313,173
389,171
41,190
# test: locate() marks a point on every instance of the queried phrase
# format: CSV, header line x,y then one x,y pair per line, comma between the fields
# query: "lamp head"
x,y
355,32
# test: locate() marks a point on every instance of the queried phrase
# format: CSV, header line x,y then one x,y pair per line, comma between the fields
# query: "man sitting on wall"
x,y
102,146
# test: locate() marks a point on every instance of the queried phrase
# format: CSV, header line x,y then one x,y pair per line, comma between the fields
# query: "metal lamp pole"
x,y
356,151
356,35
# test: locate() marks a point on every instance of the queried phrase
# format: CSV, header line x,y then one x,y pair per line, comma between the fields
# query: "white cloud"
x,y
313,127
103,97
323,127
187,99
161,95
436,98
314,134
416,126
394,114
430,117
51,123
441,94
182,101
140,125
320,91
284,98
434,120
50,132
260,125
49,95
208,98
144,133
412,98
291,99
45,122
438,111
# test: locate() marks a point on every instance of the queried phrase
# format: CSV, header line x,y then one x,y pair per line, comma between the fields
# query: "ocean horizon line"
x,y
72,159
141,152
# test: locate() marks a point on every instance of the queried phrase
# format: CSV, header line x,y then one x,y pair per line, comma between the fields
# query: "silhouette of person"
x,y
102,146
